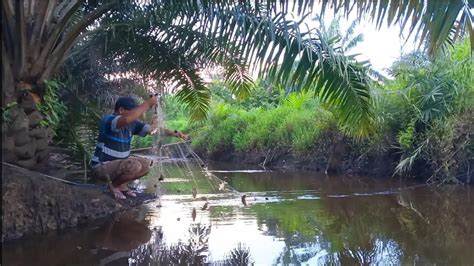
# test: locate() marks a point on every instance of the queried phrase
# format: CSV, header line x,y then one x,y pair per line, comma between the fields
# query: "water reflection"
x,y
364,229
281,220
103,244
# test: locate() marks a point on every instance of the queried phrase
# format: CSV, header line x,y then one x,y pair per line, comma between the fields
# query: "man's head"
x,y
124,104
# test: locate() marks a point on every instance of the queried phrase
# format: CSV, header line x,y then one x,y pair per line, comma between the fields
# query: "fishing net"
x,y
177,163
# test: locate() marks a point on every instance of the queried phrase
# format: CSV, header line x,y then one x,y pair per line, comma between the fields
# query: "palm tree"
x,y
36,38
38,35
346,41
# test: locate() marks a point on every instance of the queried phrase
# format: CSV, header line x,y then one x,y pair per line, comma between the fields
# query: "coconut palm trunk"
x,y
36,38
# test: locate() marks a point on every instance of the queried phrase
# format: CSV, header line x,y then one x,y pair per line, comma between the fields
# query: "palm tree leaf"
x,y
193,93
239,80
258,39
432,20
353,42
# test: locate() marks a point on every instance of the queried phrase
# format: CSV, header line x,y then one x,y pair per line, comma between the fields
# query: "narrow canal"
x,y
269,218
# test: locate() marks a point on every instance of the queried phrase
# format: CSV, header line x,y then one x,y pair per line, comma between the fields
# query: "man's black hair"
x,y
127,103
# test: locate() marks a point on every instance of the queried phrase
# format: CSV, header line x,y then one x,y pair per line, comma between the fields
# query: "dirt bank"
x,y
368,165
343,160
33,203
347,162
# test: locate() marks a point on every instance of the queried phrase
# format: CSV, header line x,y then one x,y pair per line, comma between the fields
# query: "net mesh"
x,y
178,163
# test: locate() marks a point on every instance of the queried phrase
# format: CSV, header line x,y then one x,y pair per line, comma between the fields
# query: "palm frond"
x,y
406,164
377,75
350,31
338,80
353,42
160,44
239,80
193,93
430,20
166,36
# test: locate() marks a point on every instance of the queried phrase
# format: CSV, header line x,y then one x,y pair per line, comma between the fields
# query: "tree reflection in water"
x,y
412,226
194,251
240,255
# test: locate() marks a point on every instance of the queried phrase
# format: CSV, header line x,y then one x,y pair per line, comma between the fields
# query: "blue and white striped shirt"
x,y
114,143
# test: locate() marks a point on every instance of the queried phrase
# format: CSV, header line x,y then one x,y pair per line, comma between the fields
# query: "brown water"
x,y
285,218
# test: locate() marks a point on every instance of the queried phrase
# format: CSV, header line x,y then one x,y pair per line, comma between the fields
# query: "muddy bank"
x,y
34,204
340,159
336,160
334,155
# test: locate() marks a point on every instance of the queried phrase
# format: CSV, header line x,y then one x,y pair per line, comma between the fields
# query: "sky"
x,y
380,46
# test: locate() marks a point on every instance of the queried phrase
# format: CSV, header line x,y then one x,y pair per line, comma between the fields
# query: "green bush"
x,y
311,126
262,133
217,134
406,137
173,109
51,106
434,112
295,125
448,149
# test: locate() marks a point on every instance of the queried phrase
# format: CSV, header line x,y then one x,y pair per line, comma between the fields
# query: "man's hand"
x,y
182,135
154,125
153,129
152,101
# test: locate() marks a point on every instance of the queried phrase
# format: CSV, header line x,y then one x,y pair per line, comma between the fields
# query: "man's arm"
x,y
135,113
168,133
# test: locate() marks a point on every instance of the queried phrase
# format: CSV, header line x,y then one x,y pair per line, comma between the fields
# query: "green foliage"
x,y
51,106
304,140
434,98
172,108
406,137
294,125
448,147
142,142
220,93
80,128
262,134
223,124
410,113
150,41
263,95
6,119
429,88
310,128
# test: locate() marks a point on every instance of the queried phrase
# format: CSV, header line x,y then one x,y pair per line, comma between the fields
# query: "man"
x,y
111,161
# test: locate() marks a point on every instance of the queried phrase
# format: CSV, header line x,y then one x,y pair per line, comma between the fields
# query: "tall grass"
x,y
295,126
